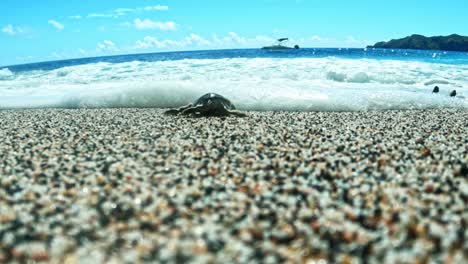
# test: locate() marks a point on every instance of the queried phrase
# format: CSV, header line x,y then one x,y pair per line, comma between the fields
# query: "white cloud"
x,y
150,24
56,25
197,40
315,38
156,8
93,15
119,12
149,42
13,30
9,29
217,40
107,45
123,11
75,17
191,40
152,42
234,38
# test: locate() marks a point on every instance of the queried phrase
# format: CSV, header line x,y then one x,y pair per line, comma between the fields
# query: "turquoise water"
x,y
254,79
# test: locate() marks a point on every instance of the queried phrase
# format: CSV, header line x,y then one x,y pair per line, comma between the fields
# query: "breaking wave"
x,y
5,74
303,84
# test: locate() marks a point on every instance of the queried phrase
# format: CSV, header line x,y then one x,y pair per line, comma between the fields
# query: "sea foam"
x,y
5,74
302,84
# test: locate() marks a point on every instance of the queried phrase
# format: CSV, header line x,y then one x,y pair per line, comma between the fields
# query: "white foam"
x,y
304,84
5,73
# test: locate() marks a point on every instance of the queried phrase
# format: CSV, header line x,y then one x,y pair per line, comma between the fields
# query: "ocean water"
x,y
254,79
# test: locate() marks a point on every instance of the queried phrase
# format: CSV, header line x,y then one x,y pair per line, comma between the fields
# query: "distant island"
x,y
452,42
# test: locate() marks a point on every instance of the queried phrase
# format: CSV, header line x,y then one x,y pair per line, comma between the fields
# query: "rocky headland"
x,y
452,42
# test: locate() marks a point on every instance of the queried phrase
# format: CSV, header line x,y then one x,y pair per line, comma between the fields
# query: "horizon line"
x,y
159,52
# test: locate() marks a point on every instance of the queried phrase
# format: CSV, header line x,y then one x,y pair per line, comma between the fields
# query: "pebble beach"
x,y
136,186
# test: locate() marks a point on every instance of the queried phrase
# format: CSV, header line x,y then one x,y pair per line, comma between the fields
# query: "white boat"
x,y
279,45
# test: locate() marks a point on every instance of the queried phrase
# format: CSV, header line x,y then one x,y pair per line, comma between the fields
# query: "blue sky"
x,y
33,30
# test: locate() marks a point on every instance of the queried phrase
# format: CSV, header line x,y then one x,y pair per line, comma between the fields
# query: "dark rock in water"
x,y
452,42
453,93
436,89
296,46
210,104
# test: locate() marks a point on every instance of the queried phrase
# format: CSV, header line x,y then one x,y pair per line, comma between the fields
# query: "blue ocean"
x,y
254,79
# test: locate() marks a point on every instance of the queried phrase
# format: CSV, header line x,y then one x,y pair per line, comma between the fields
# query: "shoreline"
x,y
114,185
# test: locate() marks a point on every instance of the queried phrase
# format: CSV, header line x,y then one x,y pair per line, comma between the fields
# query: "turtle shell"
x,y
213,98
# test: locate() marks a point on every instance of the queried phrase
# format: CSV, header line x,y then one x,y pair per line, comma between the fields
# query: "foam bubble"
x,y
335,76
303,84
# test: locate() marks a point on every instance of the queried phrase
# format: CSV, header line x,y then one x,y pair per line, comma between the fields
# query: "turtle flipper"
x,y
193,110
171,112
237,113
178,110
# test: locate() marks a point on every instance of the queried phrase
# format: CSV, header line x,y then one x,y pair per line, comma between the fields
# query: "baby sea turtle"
x,y
210,104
